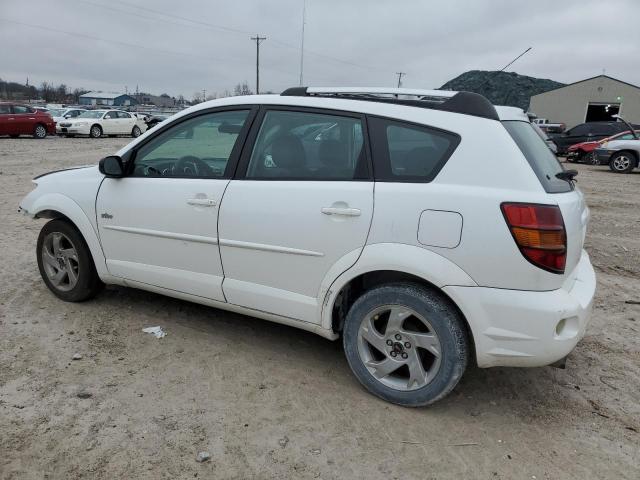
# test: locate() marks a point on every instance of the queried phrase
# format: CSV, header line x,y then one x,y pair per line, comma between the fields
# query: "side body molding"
x,y
70,209
417,261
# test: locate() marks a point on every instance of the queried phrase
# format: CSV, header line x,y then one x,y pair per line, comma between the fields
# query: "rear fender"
x,y
410,259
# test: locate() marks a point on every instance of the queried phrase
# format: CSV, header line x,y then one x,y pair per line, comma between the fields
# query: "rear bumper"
x,y
515,328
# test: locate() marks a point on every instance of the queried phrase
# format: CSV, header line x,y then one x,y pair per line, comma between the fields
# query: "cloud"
x,y
184,47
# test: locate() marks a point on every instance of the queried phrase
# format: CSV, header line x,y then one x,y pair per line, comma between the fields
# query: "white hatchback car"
x,y
428,229
96,123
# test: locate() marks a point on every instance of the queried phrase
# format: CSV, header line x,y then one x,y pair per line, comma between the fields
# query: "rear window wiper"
x,y
567,175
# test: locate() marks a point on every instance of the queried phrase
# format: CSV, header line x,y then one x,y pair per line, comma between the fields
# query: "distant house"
x,y
107,99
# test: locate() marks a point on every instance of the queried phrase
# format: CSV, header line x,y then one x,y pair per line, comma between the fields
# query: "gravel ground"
x,y
269,401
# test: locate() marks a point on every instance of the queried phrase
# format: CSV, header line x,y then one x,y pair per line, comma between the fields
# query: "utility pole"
x,y
258,39
304,13
204,95
400,75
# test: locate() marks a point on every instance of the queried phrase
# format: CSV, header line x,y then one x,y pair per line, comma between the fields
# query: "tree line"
x,y
51,93
47,91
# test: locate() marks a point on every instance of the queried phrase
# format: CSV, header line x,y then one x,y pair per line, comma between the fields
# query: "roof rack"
x,y
456,102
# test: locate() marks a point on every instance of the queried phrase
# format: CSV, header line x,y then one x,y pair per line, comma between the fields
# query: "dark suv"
x,y
587,132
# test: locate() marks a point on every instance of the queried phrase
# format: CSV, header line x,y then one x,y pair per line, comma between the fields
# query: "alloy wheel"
x,y
621,162
41,132
60,261
399,347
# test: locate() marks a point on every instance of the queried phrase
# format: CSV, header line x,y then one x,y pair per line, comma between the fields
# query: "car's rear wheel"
x,y
136,132
406,344
96,131
622,162
40,131
65,262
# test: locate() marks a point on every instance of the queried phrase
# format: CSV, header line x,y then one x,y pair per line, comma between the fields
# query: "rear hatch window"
x,y
543,162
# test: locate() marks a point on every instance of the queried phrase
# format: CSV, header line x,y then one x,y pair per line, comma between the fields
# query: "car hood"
x,y
575,146
81,171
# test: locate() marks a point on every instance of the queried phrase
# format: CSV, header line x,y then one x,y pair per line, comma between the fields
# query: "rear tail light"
x,y
539,232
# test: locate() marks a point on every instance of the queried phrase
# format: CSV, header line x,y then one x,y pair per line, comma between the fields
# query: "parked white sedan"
x,y
63,114
96,123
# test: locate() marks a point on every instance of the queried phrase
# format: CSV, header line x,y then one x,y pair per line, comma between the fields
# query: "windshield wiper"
x,y
567,175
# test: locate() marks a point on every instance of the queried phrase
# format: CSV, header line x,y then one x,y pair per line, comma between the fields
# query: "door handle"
x,y
202,202
347,212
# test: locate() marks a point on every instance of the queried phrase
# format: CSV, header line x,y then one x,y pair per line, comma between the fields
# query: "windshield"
x,y
93,114
543,162
56,112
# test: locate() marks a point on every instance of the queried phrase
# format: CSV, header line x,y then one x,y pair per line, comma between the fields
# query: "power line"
x,y
258,39
400,75
132,45
222,28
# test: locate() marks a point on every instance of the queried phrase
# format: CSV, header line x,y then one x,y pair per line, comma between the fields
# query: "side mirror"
x,y
111,166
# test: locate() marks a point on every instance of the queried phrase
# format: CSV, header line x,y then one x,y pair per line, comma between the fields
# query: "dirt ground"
x,y
269,401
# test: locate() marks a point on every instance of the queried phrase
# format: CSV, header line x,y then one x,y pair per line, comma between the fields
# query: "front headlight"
x,y
604,145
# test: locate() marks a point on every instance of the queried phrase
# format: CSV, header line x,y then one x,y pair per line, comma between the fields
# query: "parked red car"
x,y
16,120
585,151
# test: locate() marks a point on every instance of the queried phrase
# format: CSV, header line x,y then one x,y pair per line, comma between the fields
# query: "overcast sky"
x,y
180,47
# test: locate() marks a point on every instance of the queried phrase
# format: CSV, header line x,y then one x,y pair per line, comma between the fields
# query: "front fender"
x,y
418,261
34,205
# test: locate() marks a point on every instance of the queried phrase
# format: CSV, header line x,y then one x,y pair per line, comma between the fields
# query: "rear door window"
x,y
404,152
543,162
5,109
22,109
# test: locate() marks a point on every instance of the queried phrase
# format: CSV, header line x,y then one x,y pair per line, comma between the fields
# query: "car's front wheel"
x,y
406,344
622,162
136,132
96,131
591,158
65,262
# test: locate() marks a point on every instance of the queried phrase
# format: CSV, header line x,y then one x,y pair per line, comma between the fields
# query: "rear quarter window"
x,y
405,152
543,162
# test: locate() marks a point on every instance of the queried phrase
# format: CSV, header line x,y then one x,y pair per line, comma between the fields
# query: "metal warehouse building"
x,y
109,99
589,100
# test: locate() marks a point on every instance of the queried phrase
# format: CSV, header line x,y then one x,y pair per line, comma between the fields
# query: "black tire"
x,y
446,323
95,131
136,132
88,283
623,162
591,158
40,131
14,136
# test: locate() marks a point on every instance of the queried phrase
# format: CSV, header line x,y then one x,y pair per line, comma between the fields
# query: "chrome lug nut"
x,y
389,342
394,353
404,355
398,336
407,345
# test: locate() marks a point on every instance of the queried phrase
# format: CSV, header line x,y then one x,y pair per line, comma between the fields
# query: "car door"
x,y
5,123
125,123
24,119
110,123
300,207
158,224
